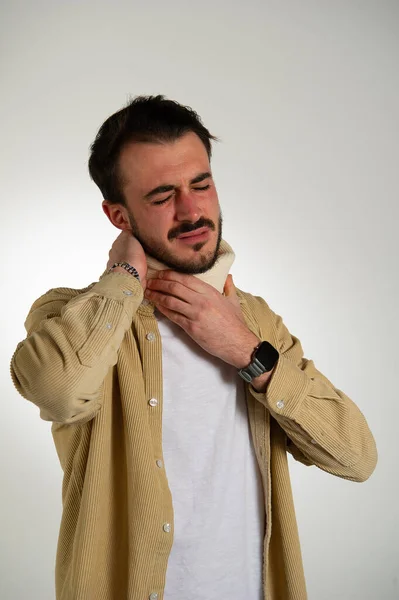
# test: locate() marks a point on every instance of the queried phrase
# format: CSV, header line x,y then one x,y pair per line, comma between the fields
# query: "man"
x,y
175,396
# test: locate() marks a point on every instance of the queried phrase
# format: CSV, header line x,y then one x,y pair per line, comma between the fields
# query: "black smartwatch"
x,y
263,359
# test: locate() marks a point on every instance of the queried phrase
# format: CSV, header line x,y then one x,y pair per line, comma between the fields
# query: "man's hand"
x,y
127,248
212,320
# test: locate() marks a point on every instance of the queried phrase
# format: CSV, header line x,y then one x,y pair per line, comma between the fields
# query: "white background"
x,y
304,95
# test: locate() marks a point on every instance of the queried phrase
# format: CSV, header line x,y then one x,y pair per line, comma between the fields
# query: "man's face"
x,y
169,193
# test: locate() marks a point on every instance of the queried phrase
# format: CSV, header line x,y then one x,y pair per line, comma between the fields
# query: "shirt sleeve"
x,y
73,337
324,427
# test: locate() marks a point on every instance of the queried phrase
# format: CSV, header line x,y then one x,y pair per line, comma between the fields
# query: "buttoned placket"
x,y
150,340
259,418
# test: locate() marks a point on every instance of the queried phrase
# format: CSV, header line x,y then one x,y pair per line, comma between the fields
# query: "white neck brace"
x,y
216,276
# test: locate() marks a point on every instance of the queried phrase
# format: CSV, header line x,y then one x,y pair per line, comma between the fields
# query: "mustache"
x,y
188,228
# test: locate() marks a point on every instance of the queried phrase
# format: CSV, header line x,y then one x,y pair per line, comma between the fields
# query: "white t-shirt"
x,y
213,475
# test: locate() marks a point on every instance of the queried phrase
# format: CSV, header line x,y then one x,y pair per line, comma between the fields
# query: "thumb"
x,y
231,295
230,291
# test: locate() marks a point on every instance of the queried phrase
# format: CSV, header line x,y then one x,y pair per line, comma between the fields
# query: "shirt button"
x,y
280,404
166,527
153,402
150,336
127,292
145,302
108,325
313,442
153,596
159,464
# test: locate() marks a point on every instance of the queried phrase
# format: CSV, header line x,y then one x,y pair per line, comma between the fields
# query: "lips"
x,y
194,233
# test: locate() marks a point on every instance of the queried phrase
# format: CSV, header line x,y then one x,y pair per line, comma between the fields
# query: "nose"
x,y
186,207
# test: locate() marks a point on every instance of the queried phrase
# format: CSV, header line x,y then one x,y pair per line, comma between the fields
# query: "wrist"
x,y
127,267
260,383
246,349
119,270
252,342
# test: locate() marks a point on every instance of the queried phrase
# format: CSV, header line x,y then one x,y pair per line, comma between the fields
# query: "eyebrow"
x,y
169,188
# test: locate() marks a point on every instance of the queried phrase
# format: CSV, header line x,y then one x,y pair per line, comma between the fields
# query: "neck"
x,y
216,276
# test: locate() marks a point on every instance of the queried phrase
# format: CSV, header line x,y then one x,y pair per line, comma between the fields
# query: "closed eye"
x,y
199,189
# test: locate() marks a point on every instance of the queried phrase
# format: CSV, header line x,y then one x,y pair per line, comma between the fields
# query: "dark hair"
x,y
145,119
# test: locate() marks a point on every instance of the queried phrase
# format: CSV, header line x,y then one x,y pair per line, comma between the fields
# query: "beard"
x,y
203,262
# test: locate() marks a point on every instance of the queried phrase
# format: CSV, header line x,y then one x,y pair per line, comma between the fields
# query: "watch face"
x,y
267,355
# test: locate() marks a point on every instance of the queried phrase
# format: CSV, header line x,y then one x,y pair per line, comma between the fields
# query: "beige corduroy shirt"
x,y
92,363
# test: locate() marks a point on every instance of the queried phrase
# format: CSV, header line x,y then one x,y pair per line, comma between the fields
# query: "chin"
x,y
203,259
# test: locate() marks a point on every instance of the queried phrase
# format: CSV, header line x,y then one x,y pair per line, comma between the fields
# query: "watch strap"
x,y
264,358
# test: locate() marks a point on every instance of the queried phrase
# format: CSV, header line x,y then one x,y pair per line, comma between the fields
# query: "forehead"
x,y
144,166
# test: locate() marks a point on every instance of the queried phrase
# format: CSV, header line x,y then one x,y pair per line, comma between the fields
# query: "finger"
x,y
189,281
175,317
170,303
172,288
227,290
230,290
231,295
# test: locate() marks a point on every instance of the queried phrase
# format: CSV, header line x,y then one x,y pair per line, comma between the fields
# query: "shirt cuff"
x,y
119,286
286,389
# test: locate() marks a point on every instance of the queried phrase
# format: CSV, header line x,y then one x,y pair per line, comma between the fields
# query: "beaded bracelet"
x,y
127,267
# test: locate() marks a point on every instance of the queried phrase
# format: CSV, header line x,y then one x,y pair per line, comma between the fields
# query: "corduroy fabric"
x,y
89,366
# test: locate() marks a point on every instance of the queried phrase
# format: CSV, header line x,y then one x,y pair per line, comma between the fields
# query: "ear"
x,y
116,213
